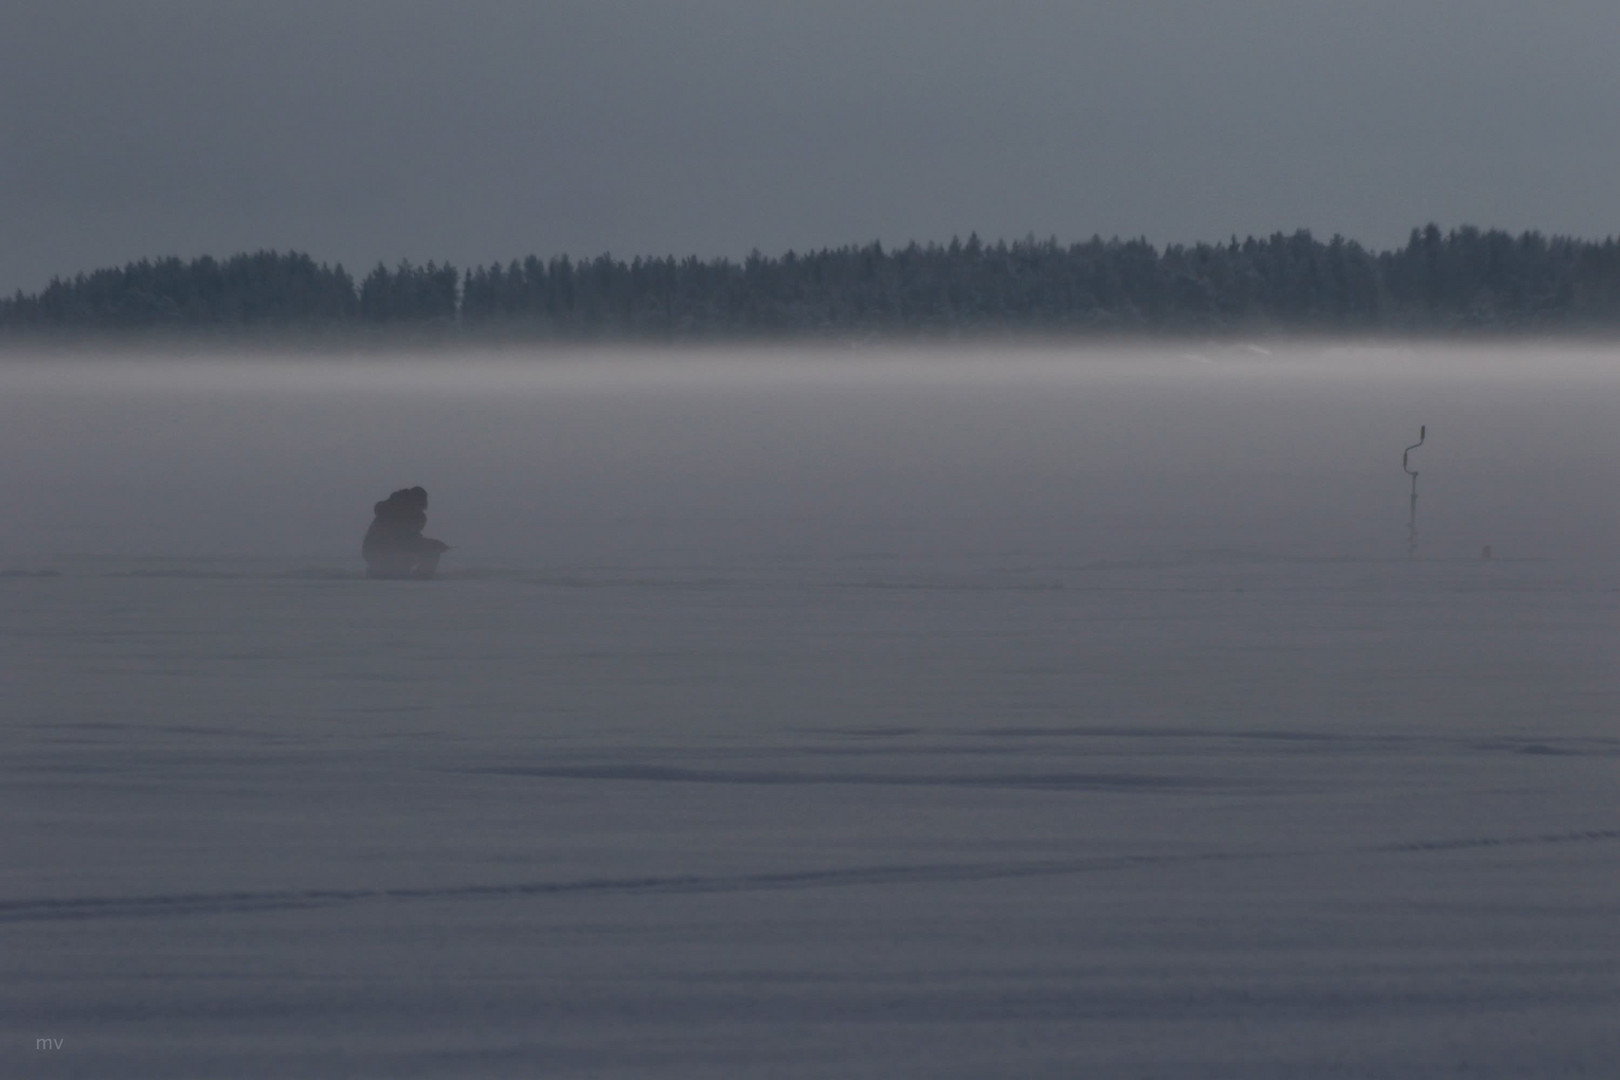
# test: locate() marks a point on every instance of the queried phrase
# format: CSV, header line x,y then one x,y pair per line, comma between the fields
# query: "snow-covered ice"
x,y
977,715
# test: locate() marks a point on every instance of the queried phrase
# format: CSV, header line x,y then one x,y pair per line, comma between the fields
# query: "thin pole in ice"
x,y
1411,521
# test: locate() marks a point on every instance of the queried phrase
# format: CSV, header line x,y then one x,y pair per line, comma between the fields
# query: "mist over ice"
x,y
733,456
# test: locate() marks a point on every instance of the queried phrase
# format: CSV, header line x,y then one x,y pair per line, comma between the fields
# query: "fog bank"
x,y
741,457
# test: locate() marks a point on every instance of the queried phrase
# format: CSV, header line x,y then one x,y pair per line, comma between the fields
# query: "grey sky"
x,y
360,130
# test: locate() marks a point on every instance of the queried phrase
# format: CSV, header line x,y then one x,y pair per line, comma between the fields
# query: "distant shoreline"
x,y
109,353
404,345
1458,285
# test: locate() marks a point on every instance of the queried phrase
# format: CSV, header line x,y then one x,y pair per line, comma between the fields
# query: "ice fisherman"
x,y
394,546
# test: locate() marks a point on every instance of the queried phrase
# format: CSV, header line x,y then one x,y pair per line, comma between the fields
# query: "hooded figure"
x,y
394,546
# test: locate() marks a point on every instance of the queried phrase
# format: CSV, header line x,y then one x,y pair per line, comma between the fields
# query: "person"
x,y
394,546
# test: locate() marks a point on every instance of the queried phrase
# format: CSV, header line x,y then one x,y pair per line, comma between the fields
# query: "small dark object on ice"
x,y
394,546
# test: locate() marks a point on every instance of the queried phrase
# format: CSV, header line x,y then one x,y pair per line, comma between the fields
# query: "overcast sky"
x,y
366,130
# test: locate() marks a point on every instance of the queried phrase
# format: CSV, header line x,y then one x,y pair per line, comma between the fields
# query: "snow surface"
x,y
1192,774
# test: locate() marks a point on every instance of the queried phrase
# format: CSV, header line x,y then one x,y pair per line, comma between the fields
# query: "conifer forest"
x,y
1465,280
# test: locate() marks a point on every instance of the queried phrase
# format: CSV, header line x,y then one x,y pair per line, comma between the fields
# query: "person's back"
x,y
394,546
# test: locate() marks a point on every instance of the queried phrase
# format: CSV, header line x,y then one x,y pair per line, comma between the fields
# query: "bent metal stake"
x,y
1411,521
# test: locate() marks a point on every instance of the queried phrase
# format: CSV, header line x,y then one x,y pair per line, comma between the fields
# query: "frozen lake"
x,y
969,713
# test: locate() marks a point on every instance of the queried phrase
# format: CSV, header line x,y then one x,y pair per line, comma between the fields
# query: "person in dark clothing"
x,y
394,546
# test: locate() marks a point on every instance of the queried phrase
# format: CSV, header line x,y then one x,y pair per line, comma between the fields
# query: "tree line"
x,y
1462,280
